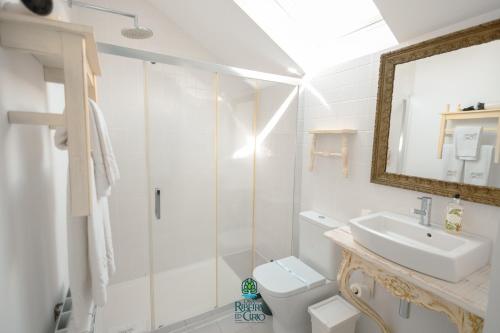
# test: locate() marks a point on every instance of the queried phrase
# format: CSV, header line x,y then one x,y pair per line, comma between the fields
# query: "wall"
x,y
345,97
275,168
33,276
492,319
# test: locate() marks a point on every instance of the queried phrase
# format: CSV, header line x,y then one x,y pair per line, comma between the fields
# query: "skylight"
x,y
321,33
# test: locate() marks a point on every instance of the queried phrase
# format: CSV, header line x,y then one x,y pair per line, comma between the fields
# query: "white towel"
x,y
91,258
452,166
466,140
477,172
106,168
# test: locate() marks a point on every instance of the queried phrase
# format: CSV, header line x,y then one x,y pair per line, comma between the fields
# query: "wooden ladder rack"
x,y
68,54
343,154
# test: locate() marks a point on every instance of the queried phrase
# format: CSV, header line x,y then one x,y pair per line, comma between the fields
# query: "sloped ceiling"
x,y
227,32
409,19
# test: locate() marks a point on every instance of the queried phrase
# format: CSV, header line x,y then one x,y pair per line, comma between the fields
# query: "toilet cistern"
x,y
425,211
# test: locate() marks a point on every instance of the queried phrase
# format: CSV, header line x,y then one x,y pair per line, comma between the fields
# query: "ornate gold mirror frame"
x,y
465,38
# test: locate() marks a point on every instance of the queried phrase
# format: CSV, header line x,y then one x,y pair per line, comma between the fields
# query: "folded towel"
x,y
466,140
452,166
477,172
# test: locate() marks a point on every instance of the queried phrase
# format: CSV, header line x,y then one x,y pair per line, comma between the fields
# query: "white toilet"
x,y
291,284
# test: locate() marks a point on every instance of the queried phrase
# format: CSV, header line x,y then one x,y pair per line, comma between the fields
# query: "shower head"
x,y
137,32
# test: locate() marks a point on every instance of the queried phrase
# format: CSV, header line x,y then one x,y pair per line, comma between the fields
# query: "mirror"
x,y
438,116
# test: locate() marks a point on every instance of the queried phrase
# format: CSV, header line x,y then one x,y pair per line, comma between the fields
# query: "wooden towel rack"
x,y
68,54
467,115
343,154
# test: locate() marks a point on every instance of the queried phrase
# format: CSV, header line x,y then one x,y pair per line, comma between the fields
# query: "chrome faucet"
x,y
425,211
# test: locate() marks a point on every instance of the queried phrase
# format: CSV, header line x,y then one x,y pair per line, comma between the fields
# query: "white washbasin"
x,y
428,250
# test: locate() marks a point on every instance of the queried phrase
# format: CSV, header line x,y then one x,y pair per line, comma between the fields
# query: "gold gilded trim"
x,y
480,34
465,321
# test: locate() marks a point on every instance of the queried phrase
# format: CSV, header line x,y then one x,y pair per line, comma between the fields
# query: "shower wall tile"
x,y
275,170
129,199
181,105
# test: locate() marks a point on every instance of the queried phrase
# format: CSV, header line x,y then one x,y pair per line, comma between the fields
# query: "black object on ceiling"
x,y
39,7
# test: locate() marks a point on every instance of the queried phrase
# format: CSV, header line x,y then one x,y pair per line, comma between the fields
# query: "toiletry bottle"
x,y
454,212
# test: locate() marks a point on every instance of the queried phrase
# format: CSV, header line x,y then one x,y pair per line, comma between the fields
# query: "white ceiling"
x,y
409,19
228,33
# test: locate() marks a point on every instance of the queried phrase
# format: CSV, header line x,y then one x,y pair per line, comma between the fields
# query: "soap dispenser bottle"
x,y
454,212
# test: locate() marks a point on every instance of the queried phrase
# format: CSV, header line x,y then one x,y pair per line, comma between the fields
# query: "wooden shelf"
x,y
41,37
468,115
68,54
343,154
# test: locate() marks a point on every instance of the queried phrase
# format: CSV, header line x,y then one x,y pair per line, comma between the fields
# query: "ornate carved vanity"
x,y
464,302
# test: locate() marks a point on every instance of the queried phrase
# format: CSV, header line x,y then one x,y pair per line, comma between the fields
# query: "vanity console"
x,y
463,302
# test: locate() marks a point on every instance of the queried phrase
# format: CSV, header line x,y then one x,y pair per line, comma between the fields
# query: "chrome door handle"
x,y
157,203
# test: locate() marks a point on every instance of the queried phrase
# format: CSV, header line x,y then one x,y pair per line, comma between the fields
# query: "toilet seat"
x,y
286,277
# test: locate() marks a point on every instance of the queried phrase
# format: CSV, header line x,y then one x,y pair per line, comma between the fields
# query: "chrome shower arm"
x,y
82,4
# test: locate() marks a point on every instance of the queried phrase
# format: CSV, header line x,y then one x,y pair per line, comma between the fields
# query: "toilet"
x,y
290,285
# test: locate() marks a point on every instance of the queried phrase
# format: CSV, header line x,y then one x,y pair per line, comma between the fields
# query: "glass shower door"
x,y
221,168
181,113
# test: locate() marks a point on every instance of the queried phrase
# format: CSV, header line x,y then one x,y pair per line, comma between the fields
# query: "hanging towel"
x,y
466,140
91,258
452,166
88,263
477,172
79,275
106,168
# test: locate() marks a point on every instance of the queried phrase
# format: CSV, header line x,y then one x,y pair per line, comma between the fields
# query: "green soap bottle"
x,y
454,212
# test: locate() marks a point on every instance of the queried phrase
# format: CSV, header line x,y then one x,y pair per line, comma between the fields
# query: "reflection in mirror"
x,y
431,135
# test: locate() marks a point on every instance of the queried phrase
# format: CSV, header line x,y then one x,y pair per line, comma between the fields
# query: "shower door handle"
x,y
157,203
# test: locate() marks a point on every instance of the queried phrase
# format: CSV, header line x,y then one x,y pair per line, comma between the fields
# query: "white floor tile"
x,y
265,327
228,325
210,328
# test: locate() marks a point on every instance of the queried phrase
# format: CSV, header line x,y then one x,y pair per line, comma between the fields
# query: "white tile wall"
x,y
275,168
33,258
345,96
121,98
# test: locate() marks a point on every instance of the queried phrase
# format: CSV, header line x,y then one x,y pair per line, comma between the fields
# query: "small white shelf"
x,y
344,150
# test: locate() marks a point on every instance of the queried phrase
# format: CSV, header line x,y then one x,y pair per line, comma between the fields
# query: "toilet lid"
x,y
287,276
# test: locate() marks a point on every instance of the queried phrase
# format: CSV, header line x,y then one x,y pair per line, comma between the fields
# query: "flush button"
x,y
321,217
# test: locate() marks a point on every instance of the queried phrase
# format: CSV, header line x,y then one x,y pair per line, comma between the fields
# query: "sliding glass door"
x,y
221,154
180,106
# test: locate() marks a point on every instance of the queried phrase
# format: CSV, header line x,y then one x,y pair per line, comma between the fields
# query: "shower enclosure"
x,y
208,162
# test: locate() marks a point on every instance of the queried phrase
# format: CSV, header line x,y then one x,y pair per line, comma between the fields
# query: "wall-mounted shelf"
x,y
68,54
468,115
344,133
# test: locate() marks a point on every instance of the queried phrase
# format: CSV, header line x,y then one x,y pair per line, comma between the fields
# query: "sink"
x,y
428,250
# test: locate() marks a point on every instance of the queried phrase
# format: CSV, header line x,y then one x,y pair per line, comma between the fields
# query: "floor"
x,y
180,295
221,323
